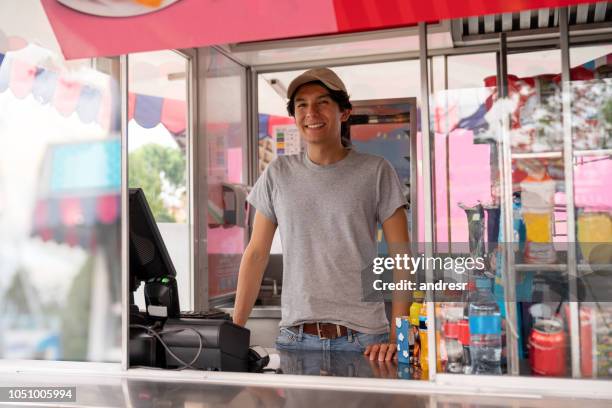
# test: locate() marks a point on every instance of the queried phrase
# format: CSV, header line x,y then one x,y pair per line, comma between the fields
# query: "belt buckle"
x,y
319,333
321,337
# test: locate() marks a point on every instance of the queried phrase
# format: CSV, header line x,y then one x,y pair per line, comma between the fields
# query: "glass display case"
x,y
519,165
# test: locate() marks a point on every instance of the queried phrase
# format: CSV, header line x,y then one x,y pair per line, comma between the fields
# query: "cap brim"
x,y
306,78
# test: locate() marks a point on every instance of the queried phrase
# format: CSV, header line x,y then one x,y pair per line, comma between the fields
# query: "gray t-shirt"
x,y
327,218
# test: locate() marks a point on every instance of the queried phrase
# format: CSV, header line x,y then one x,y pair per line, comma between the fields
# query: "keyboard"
x,y
210,314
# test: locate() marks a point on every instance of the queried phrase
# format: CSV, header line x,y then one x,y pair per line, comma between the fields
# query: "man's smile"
x,y
315,125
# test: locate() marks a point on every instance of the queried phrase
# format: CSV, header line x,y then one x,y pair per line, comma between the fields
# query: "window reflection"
x,y
539,204
225,101
59,207
468,214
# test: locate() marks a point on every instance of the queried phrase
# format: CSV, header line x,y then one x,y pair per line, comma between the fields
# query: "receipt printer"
x,y
225,346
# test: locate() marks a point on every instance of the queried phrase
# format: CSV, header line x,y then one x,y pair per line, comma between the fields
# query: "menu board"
x,y
287,139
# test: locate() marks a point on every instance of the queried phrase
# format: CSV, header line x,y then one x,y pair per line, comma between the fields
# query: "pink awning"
x,y
196,23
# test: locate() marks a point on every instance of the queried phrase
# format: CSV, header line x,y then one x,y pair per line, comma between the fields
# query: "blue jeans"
x,y
294,338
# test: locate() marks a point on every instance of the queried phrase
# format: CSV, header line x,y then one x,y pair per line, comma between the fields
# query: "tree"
x,y
148,167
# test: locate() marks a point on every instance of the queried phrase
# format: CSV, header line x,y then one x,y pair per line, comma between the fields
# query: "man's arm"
x,y
252,267
395,229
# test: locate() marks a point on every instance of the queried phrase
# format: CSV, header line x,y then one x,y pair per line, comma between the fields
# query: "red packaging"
x,y
547,354
586,338
451,330
464,332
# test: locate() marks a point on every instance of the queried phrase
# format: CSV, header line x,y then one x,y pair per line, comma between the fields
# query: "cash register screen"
x,y
149,257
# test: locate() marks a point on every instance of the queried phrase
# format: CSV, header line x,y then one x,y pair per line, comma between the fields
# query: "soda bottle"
x,y
423,354
415,308
485,330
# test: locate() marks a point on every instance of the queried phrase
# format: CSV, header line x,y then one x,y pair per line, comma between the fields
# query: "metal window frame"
x,y
568,164
191,60
125,218
426,157
201,58
200,188
508,273
527,43
333,39
253,114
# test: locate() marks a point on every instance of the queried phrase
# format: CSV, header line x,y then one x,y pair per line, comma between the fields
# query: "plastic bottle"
x,y
451,312
423,354
485,330
415,308
413,340
464,327
452,352
537,200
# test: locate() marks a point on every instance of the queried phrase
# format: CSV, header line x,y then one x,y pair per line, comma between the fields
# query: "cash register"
x,y
161,336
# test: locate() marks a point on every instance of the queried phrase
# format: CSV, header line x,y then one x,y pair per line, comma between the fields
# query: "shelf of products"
x,y
548,196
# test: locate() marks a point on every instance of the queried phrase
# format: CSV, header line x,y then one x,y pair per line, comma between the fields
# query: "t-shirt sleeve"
x,y
260,196
390,195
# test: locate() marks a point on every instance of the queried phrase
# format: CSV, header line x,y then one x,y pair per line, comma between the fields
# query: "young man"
x,y
326,203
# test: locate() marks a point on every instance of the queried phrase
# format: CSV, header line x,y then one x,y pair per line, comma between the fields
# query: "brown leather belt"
x,y
325,330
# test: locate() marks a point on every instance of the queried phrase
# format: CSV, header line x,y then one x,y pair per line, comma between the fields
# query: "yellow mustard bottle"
x,y
424,349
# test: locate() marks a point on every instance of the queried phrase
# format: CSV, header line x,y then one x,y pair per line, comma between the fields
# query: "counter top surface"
x,y
182,389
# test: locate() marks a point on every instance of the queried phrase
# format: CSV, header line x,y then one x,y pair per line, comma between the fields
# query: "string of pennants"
x,y
466,110
90,103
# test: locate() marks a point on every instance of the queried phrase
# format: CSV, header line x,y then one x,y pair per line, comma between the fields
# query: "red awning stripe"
x,y
365,15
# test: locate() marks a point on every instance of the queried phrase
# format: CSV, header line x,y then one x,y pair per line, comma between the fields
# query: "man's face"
x,y
317,116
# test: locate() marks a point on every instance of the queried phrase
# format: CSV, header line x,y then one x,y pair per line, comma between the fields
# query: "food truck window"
x,y
591,90
540,210
458,108
60,216
464,149
467,129
542,250
157,153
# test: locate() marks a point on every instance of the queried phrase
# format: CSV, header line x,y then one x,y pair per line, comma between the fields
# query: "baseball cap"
x,y
325,75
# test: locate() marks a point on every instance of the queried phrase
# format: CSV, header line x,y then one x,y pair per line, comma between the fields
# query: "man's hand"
x,y
381,351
